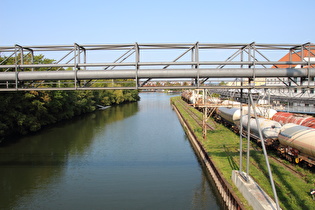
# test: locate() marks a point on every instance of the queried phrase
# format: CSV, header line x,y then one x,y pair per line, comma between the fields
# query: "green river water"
x,y
131,156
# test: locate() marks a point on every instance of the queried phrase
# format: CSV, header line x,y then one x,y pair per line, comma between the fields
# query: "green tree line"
x,y
29,111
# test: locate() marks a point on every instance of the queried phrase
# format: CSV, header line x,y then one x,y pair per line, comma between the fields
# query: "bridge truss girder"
x,y
197,63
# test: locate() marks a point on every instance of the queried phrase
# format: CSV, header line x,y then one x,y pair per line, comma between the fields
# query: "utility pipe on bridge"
x,y
155,74
246,61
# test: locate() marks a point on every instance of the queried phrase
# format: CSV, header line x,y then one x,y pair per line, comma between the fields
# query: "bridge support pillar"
x,y
255,196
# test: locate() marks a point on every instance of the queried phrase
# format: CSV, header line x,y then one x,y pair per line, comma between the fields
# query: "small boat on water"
x,y
100,107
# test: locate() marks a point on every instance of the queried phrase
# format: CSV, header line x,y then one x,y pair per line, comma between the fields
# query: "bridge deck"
x,y
82,66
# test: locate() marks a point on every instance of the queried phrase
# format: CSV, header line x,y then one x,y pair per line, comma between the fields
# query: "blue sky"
x,y
32,22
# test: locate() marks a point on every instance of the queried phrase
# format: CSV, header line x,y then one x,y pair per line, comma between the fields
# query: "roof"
x,y
307,53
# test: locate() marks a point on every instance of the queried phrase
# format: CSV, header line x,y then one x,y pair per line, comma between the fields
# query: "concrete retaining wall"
x,y
225,190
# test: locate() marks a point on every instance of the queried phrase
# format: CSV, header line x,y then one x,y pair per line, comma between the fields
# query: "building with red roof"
x,y
299,96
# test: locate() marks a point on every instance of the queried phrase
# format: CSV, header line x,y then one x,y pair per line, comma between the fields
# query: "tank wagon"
x,y
270,129
229,117
229,103
291,135
261,112
299,119
192,98
294,142
187,96
297,143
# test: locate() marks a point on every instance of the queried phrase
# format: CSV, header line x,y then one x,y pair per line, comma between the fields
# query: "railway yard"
x,y
293,178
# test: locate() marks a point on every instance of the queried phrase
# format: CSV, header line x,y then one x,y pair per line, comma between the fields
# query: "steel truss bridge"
x,y
145,66
158,66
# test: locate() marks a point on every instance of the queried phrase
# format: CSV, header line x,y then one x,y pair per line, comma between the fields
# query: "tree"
x,y
23,112
222,83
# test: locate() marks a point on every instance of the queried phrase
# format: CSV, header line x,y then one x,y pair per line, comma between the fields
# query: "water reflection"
x,y
37,160
133,156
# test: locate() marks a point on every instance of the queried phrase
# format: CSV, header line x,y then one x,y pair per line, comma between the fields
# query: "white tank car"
x,y
261,112
214,100
268,113
269,128
231,103
231,115
299,137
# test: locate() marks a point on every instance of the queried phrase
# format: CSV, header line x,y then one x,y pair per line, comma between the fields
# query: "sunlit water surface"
x,y
132,156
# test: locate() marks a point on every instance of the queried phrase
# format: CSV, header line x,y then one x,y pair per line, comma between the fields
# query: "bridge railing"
x,y
144,66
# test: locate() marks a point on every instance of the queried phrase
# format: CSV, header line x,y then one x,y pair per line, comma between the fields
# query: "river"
x,y
131,156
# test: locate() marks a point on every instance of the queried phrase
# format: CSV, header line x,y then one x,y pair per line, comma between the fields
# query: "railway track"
x,y
290,167
195,117
199,121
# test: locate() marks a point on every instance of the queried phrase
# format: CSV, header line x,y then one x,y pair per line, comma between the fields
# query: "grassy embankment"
x,y
222,146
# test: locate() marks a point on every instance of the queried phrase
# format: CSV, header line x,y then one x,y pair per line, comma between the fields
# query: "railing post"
x,y
197,61
16,65
137,60
248,136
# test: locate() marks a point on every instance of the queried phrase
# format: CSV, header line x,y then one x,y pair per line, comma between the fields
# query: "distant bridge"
x,y
134,65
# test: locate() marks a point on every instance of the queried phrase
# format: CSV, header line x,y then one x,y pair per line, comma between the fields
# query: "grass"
x,y
222,146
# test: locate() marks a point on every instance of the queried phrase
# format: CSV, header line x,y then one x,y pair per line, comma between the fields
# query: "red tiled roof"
x,y
296,56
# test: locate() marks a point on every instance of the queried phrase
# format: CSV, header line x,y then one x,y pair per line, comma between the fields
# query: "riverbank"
x,y
26,112
224,189
222,147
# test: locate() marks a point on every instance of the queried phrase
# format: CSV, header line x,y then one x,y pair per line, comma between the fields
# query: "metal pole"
x,y
249,116
165,67
197,60
151,73
205,122
302,53
205,116
184,63
265,154
254,61
75,65
32,58
79,53
22,54
221,66
16,67
248,136
84,60
193,60
122,56
184,53
241,139
290,57
309,63
137,60
78,68
241,123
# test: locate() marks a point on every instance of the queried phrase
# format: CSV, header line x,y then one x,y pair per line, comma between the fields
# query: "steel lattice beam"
x,y
131,65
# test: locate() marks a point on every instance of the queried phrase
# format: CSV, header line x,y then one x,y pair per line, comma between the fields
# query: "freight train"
x,y
299,119
294,142
291,135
